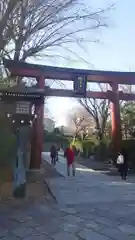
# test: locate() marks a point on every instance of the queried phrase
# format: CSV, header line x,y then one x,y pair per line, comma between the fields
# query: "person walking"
x,y
53,155
57,154
122,162
70,156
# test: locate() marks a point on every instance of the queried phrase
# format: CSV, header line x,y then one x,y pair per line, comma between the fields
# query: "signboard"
x,y
80,84
23,108
11,96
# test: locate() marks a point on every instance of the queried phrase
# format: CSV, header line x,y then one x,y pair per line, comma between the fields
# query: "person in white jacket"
x,y
122,162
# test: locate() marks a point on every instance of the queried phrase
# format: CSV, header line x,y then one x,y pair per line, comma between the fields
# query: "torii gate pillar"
x,y
37,133
116,123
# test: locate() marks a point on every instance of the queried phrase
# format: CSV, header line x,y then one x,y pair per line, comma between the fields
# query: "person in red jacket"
x,y
70,156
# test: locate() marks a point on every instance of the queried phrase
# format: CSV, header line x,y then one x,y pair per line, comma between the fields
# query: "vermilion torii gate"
x,y
18,68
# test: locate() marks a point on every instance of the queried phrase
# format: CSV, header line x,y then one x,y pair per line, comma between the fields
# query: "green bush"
x,y
102,150
95,147
77,143
88,147
57,139
129,145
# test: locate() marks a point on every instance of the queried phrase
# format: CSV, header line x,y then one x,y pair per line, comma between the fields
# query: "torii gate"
x,y
40,72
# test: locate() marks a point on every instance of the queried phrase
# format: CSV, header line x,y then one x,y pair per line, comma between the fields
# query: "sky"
x,y
115,52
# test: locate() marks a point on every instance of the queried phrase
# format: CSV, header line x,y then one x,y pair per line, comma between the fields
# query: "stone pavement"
x,y
97,206
91,206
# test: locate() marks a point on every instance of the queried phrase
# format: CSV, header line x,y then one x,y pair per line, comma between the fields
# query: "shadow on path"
x,y
51,172
101,167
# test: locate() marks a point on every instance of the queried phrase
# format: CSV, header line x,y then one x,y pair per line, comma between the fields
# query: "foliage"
x,y
77,144
88,147
128,119
98,148
129,145
55,138
104,150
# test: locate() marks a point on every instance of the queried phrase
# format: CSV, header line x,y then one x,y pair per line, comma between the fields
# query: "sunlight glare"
x,y
85,170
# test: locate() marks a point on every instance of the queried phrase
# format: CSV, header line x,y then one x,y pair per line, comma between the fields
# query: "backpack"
x,y
120,159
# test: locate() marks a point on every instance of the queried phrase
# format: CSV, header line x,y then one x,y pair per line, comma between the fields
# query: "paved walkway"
x,y
91,206
98,207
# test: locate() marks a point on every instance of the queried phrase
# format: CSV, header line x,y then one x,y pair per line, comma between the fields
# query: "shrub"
x,y
129,145
77,144
58,139
95,147
102,151
88,147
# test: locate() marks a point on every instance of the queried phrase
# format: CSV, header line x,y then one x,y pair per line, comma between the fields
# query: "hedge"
x,y
88,147
129,145
57,139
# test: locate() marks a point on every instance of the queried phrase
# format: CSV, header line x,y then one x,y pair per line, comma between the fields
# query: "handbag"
x,y
120,159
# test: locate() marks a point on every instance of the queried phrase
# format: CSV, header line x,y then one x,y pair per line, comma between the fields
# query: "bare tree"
x,y
7,8
99,111
43,27
80,122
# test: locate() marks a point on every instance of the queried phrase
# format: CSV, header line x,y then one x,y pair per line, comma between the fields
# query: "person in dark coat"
x,y
123,168
53,155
